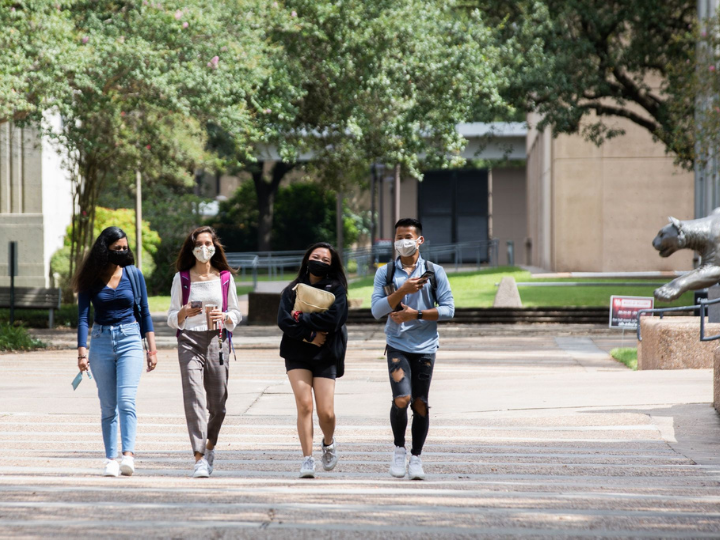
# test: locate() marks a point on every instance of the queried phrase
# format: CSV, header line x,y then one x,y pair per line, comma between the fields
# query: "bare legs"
x,y
303,384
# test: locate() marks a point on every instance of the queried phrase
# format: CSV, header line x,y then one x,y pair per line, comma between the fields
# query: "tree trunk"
x,y
339,222
266,191
86,193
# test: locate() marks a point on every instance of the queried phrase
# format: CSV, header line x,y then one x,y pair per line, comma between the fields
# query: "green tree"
x,y
39,46
360,81
305,213
389,80
107,217
155,74
171,208
581,63
237,220
696,83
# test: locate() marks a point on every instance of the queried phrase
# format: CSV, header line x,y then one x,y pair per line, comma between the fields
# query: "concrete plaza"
x,y
535,432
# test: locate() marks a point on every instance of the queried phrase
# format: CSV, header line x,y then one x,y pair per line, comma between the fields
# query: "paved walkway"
x,y
533,434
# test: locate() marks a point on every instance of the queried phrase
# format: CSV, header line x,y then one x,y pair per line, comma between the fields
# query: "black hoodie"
x,y
331,321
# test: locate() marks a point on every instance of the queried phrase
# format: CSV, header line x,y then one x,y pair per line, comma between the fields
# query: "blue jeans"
x,y
116,361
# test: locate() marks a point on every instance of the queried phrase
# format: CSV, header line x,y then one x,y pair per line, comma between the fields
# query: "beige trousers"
x,y
204,383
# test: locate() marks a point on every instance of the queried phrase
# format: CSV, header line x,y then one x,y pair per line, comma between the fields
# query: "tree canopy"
x,y
39,44
579,63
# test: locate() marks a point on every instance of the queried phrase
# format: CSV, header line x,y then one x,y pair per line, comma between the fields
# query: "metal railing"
x,y
588,284
702,305
275,262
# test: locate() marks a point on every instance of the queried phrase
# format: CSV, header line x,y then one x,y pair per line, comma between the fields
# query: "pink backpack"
x,y
225,279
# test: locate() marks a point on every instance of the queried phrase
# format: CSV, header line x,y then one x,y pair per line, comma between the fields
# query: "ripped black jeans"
x,y
410,377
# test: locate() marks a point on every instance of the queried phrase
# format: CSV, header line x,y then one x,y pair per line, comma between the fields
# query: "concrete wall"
x,y
408,203
598,208
35,204
509,211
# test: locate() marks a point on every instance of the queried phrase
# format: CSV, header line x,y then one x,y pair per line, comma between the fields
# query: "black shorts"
x,y
325,370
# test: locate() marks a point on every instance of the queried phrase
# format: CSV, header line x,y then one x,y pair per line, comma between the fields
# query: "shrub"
x,y
67,315
304,213
17,338
105,217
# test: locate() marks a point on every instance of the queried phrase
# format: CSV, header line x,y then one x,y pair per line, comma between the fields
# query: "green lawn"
x,y
626,355
477,289
162,303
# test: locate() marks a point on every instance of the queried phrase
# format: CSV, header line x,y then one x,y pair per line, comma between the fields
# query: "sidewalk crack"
x,y
261,394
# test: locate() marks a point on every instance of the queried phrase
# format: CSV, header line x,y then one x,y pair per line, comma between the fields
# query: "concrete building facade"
x,y
593,208
566,204
35,204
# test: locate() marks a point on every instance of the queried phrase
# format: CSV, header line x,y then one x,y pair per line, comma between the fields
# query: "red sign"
x,y
624,310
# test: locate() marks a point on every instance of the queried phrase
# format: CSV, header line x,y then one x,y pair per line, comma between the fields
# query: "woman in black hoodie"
x,y
313,346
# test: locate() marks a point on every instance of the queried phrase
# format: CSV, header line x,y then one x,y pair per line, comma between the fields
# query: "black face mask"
x,y
121,258
319,269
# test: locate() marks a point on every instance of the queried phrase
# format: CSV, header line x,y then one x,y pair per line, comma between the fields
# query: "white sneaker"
x,y
111,468
201,469
397,466
415,469
329,457
308,467
127,465
210,458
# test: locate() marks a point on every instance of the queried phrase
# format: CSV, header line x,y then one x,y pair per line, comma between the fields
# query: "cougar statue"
x,y
701,235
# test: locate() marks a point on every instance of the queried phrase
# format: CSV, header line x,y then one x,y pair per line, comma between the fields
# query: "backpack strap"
x,y
433,280
185,286
390,274
134,276
185,291
225,279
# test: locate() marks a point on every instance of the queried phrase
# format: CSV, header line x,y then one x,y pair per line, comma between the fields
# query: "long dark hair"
x,y
336,266
96,262
186,260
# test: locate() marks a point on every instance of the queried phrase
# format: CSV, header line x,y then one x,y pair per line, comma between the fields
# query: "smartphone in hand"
x,y
196,304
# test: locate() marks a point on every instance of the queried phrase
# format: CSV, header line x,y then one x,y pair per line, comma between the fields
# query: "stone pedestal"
x,y
674,343
713,311
263,308
507,294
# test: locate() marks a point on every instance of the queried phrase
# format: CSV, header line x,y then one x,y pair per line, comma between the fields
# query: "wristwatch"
x,y
419,314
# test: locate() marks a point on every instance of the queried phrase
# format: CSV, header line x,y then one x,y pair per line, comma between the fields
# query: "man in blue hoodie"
x,y
415,294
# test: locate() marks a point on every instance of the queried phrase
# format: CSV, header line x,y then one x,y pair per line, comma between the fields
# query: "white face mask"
x,y
406,247
204,253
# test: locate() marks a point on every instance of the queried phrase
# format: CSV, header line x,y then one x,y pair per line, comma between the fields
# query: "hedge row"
x,y
38,318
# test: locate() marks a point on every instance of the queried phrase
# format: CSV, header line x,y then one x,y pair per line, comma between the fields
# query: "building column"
x,y
5,158
16,170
